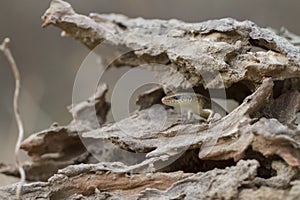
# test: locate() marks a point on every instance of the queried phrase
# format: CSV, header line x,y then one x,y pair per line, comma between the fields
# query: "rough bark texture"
x,y
251,153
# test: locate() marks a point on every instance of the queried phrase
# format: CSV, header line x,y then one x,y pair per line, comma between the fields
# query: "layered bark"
x,y
253,151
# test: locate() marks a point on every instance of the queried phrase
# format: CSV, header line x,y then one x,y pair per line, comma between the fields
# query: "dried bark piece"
x,y
199,51
275,138
94,181
92,112
226,139
50,150
60,146
64,139
58,141
214,184
90,37
139,133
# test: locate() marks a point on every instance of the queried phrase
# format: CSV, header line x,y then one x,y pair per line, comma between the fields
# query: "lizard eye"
x,y
175,97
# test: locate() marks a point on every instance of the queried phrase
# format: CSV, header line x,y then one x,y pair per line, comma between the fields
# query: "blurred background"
x,y
48,63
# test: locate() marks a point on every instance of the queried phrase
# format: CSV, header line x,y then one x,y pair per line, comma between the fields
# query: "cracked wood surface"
x,y
252,152
224,46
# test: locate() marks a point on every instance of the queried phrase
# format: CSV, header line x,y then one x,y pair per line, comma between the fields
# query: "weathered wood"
x,y
254,151
226,45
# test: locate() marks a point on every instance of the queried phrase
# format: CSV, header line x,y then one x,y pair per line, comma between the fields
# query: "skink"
x,y
194,103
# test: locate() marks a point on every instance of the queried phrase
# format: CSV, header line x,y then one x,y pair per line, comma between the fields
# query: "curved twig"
x,y
4,48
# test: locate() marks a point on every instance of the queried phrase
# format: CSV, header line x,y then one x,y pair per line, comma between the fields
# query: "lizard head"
x,y
180,99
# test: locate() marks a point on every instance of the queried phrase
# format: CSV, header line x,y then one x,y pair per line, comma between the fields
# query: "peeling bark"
x,y
197,49
253,152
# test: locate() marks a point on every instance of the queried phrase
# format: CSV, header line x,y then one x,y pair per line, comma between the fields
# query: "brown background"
x,y
48,63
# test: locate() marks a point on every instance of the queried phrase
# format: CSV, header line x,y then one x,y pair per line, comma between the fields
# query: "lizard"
x,y
194,103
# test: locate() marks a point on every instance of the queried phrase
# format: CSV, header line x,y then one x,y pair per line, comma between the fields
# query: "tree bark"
x,y
253,152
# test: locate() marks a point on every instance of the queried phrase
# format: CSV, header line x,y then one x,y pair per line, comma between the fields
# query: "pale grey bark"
x,y
252,152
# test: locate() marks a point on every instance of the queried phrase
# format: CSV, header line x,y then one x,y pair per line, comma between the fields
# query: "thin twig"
x,y
4,48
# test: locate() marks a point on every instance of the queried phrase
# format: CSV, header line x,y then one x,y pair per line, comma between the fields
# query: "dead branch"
x,y
254,150
4,48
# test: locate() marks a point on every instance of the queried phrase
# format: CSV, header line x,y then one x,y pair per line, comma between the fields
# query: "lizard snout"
x,y
166,101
